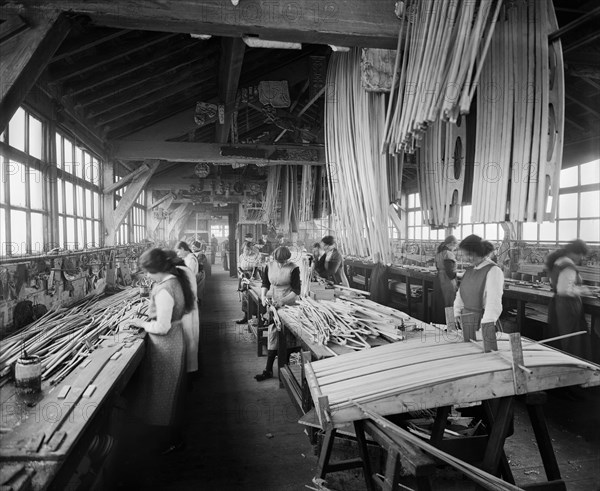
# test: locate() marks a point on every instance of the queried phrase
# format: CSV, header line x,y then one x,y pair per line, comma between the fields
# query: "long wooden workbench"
x,y
42,433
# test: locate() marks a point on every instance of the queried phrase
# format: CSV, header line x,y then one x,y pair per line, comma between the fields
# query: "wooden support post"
x,y
230,69
24,56
519,379
176,218
488,331
108,204
363,451
439,425
498,433
125,180
127,201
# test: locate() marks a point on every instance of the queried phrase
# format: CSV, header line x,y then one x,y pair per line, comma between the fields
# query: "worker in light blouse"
x,y
189,258
565,312
479,298
163,368
444,284
333,262
280,286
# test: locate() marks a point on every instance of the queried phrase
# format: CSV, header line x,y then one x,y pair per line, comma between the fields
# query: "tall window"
x,y
22,209
78,195
220,231
416,229
578,208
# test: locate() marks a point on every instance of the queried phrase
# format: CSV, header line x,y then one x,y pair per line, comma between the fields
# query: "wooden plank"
x,y
78,45
23,58
353,23
176,217
207,152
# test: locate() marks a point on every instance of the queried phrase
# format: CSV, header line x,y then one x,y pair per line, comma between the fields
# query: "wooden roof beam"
x,y
369,24
211,152
12,26
25,56
230,69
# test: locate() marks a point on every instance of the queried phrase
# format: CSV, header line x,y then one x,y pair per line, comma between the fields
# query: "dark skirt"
x,y
565,315
444,293
162,375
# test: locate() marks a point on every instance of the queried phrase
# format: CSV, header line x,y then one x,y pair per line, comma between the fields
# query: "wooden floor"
x,y
243,435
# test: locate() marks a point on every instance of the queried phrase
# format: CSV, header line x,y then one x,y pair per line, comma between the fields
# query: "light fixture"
x,y
204,37
342,49
255,42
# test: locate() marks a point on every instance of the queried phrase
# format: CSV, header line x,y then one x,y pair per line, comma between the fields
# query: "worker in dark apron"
x,y
444,284
479,298
280,286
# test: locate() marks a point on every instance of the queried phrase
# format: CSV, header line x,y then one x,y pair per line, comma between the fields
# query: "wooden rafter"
x,y
23,58
79,46
125,69
126,179
129,198
11,27
177,218
349,23
586,106
230,69
94,61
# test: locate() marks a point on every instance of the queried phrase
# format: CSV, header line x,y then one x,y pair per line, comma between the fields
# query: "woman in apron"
x,y
444,284
479,298
565,312
333,262
280,286
163,368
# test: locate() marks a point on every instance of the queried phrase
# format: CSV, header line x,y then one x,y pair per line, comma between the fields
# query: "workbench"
x,y
46,435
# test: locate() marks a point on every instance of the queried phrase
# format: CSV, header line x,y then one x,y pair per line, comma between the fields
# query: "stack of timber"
x,y
438,371
520,118
443,42
356,169
63,338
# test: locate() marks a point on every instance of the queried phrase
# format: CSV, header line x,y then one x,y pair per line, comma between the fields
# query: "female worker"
x,y
163,368
444,284
334,262
565,312
189,258
317,264
479,298
280,286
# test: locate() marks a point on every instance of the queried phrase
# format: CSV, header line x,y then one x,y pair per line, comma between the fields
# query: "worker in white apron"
x,y
280,286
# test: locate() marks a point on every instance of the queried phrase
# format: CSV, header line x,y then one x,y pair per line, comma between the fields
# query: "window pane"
x,y
567,230
60,186
69,198
68,158
417,200
93,173
89,236
70,243
3,244
590,172
418,232
491,231
590,230
61,231
466,230
425,233
16,183
80,233
590,204
18,231
567,205
548,232
36,188
97,234
88,203
35,137
37,232
479,229
529,231
59,149
568,177
411,218
16,130
96,205
80,200
411,233
411,200
466,214
3,177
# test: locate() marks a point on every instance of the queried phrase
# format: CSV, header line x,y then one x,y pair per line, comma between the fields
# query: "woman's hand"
x,y
130,323
264,301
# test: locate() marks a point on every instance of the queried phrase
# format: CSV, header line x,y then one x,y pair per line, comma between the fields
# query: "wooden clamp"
x,y
519,379
488,331
325,413
450,320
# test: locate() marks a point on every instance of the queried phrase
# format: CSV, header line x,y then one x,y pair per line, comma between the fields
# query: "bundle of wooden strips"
x,y
307,193
63,337
271,202
520,118
289,199
443,41
356,169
